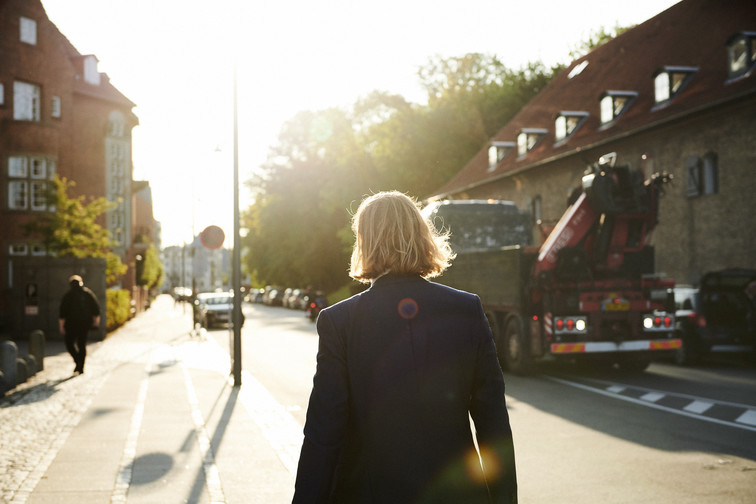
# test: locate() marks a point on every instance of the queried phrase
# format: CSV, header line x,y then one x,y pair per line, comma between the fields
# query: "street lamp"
x,y
236,256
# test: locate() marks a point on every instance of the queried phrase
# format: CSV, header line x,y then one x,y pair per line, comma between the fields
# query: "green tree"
x,y
300,202
152,271
595,39
71,230
298,230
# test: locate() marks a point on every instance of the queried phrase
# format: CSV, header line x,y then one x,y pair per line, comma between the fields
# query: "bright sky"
x,y
174,59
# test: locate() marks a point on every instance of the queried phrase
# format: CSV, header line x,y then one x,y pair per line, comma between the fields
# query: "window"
x,y
669,81
567,123
2,94
91,75
578,69
116,127
702,175
18,249
18,194
28,31
536,210
55,110
17,166
710,177
38,168
498,151
528,139
37,249
25,101
38,195
28,182
615,103
741,54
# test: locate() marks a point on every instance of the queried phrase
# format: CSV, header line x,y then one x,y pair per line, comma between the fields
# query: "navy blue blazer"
x,y
399,368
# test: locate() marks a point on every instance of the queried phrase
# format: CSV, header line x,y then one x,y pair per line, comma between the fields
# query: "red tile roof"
x,y
692,33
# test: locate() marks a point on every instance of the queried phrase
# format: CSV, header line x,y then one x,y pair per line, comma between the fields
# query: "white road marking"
x,y
698,407
605,392
212,478
653,396
749,417
125,468
616,389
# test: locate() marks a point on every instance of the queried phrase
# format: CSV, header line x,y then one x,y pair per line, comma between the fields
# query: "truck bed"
x,y
497,276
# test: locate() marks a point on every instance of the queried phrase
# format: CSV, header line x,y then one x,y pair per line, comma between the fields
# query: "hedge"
x,y
118,311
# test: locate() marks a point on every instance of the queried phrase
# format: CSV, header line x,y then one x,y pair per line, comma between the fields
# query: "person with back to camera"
x,y
79,312
401,368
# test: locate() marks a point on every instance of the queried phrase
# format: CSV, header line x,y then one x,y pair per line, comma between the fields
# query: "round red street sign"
x,y
212,237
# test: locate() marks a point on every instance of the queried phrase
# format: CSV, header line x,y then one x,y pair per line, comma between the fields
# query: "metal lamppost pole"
x,y
236,256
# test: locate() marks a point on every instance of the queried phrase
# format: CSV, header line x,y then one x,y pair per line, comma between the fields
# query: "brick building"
x,y
58,114
676,93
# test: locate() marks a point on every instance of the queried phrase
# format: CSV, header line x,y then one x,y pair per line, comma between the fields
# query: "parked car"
x,y
285,298
197,306
717,317
256,296
274,296
215,309
297,300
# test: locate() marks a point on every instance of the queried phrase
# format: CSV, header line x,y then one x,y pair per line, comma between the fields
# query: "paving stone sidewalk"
x,y
44,422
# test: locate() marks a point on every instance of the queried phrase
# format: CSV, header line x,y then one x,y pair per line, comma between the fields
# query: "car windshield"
x,y
218,300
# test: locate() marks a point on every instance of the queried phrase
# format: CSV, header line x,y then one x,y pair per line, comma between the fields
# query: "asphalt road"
x,y
669,435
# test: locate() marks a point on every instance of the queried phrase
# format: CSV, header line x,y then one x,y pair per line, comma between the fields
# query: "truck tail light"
x,y
658,322
570,325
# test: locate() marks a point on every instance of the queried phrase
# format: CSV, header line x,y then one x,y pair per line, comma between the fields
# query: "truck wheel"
x,y
516,350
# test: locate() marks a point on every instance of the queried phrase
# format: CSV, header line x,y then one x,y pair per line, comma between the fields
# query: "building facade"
x,y
58,115
677,94
196,267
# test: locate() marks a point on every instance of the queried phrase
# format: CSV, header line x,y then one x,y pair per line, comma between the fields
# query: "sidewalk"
x,y
153,419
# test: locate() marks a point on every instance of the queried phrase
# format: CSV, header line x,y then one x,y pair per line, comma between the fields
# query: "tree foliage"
x,y
152,271
596,38
325,162
72,230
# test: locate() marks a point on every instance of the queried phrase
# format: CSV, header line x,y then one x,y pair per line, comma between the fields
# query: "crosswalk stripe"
x,y
749,417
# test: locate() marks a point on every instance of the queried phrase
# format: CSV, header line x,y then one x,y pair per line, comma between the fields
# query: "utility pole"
x,y
236,257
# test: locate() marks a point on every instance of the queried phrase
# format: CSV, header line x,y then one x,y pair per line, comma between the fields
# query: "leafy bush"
x,y
118,307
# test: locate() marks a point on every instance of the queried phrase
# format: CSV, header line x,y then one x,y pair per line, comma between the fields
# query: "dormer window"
x,y
669,81
567,122
741,54
28,30
91,75
528,139
498,151
614,104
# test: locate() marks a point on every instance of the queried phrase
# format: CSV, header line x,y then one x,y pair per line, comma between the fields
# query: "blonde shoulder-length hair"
x,y
391,235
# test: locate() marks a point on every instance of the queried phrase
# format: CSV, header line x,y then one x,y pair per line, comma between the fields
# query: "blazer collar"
x,y
393,278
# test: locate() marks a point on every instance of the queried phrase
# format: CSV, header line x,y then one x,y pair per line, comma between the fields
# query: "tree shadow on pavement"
x,y
34,393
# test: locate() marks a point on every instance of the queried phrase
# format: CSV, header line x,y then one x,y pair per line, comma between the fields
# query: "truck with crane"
x,y
588,292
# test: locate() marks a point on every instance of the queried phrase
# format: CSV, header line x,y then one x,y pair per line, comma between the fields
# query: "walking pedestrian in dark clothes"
x,y
79,312
401,369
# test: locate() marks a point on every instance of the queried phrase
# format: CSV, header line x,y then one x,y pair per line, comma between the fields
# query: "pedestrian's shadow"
x,y
34,393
